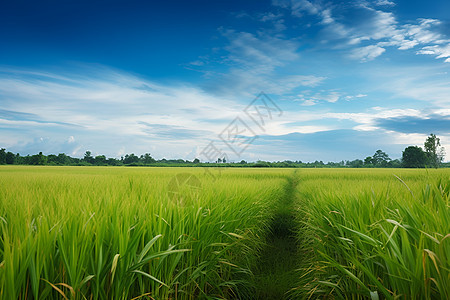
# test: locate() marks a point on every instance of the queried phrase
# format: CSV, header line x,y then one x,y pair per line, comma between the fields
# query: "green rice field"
x,y
178,233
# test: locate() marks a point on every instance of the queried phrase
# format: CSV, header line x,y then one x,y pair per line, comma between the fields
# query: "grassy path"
x,y
275,271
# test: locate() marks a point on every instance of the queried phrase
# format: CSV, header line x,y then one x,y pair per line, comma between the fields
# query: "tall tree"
x,y
88,157
380,159
147,159
414,157
434,153
10,158
368,161
2,156
130,159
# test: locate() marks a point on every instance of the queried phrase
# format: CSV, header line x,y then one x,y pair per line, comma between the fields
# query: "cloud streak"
x,y
106,103
380,29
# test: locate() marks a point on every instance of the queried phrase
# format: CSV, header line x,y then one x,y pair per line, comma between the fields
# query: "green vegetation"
x,y
414,157
178,233
377,233
275,271
116,233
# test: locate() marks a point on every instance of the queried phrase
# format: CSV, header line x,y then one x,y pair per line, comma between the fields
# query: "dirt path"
x,y
275,272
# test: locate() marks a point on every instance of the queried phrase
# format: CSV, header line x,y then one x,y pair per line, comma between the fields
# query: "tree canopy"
x,y
414,157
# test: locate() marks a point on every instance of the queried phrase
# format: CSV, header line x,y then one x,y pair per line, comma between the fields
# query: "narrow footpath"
x,y
275,272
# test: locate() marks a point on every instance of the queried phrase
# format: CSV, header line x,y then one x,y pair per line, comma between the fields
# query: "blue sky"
x,y
170,77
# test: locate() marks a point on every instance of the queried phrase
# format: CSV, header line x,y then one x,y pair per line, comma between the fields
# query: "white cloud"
x,y
263,52
368,118
299,6
355,96
255,62
384,3
197,63
326,17
367,53
270,16
307,80
309,99
112,113
331,97
380,29
106,110
308,102
437,50
276,19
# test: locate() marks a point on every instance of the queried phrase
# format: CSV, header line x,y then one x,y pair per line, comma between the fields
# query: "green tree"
x,y
147,159
63,159
395,163
357,163
52,159
88,157
100,160
10,158
368,161
196,161
19,160
130,159
414,157
435,154
113,162
38,159
380,159
2,156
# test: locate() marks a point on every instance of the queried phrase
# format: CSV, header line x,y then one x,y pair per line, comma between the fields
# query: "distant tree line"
x,y
412,157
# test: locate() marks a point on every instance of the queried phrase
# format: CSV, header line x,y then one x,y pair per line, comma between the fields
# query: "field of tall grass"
x,y
381,233
124,233
178,233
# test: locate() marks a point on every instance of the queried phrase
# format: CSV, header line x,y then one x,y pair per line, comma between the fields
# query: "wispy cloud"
x,y
255,62
90,106
437,50
379,30
265,52
367,53
309,98
384,3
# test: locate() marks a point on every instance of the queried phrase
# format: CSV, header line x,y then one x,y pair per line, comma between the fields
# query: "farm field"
x,y
121,233
375,233
178,233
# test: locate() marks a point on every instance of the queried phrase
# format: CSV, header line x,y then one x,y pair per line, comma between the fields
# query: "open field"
x,y
130,233
367,233
115,233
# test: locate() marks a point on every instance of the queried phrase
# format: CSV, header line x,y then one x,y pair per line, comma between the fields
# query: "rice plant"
x,y
375,234
115,233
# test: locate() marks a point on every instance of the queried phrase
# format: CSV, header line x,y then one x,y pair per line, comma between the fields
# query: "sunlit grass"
x,y
124,233
114,233
375,233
